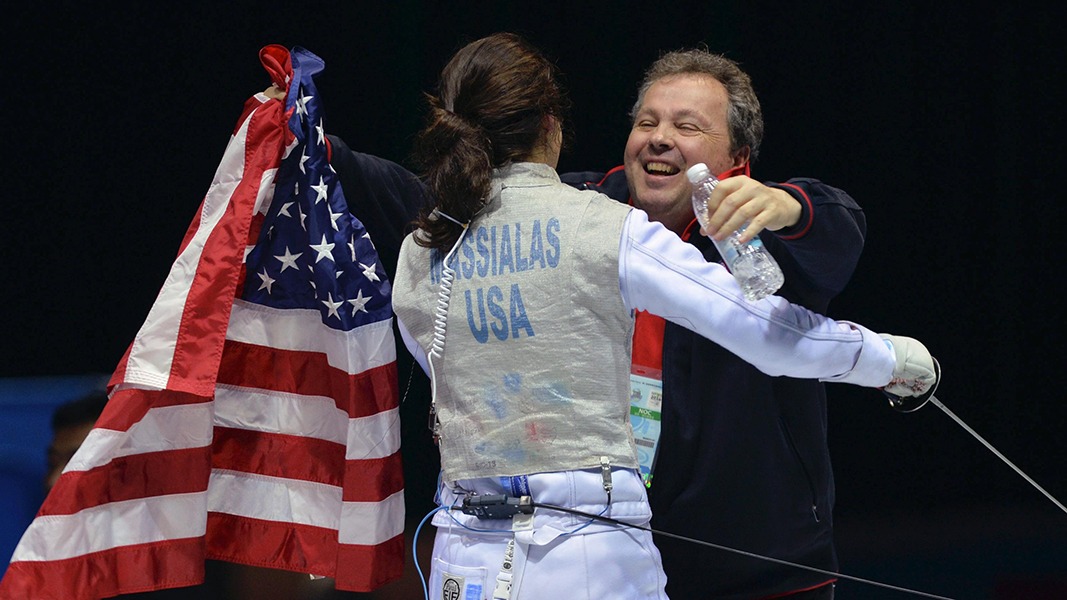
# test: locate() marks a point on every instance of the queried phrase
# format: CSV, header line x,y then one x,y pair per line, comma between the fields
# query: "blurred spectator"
x,y
71,423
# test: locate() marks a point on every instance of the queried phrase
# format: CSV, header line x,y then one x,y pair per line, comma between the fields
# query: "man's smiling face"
x,y
681,122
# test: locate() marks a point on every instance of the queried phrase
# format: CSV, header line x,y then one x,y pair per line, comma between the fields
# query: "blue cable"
x,y
414,550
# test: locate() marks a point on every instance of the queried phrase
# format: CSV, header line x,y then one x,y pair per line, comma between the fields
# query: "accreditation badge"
x,y
646,409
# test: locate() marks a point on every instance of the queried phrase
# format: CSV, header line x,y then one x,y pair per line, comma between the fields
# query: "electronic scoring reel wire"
x,y
440,321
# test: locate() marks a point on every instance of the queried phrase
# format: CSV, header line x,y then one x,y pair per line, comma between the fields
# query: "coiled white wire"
x,y
444,296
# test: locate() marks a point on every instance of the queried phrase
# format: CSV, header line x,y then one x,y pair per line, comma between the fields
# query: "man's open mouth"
x,y
658,168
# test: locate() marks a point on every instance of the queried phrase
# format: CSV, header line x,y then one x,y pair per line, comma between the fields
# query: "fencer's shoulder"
x,y
595,201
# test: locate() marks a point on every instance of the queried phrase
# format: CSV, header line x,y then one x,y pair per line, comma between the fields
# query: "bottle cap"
x,y
697,172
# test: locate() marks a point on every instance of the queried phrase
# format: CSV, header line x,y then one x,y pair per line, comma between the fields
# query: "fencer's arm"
x,y
661,274
413,347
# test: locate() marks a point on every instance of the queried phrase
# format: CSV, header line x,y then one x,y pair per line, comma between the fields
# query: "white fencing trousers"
x,y
563,557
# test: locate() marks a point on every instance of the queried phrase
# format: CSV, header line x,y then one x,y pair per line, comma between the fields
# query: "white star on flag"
x,y
289,259
332,306
359,303
320,190
369,272
301,104
323,248
267,281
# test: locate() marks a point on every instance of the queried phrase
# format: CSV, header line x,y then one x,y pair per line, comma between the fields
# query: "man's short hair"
x,y
743,113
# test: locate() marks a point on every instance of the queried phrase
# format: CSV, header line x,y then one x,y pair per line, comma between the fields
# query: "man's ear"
x,y
742,156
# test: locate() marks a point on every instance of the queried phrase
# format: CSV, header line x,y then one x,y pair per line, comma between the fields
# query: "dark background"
x,y
944,121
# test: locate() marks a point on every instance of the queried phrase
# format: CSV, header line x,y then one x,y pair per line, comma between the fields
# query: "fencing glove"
x,y
915,373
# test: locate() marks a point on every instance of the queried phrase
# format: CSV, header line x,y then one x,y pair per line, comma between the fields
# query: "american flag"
x,y
254,418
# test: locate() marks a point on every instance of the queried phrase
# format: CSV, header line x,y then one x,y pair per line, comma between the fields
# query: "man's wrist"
x,y
805,215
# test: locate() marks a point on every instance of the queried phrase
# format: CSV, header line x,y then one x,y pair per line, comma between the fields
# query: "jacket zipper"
x,y
803,468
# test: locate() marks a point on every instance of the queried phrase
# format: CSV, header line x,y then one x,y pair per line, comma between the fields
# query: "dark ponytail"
x,y
489,111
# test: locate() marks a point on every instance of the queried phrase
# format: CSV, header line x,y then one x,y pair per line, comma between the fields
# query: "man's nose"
x,y
661,137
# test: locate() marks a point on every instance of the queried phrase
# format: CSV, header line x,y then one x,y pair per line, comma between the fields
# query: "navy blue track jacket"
x,y
743,459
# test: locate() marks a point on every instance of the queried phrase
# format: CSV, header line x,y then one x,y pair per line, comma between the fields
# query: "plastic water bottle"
x,y
753,267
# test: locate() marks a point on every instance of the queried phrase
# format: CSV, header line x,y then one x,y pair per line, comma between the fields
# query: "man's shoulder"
x,y
612,183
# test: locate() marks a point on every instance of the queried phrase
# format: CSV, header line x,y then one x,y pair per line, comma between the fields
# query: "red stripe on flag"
x,y
220,268
307,373
210,299
127,569
253,236
307,459
126,407
242,276
372,480
254,229
274,544
378,565
277,455
359,568
129,478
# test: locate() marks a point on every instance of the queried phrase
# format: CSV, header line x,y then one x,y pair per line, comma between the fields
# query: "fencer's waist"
x,y
581,491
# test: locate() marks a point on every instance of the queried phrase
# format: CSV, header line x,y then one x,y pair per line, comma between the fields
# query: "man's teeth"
x,y
660,169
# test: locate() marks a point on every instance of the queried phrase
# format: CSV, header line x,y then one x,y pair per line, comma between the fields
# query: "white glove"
x,y
915,373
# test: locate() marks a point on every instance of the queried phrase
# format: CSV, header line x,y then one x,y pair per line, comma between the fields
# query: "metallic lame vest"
x,y
534,374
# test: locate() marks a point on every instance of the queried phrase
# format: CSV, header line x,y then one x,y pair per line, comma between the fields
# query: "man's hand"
x,y
740,199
